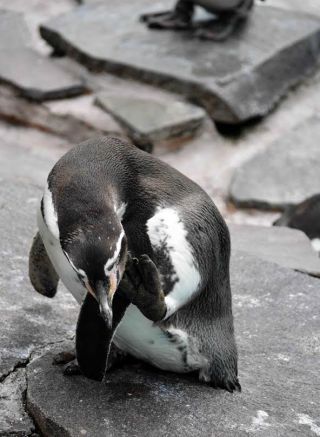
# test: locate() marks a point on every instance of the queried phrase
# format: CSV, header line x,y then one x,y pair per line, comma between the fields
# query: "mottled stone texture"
x,y
148,121
286,247
277,324
238,80
286,173
34,76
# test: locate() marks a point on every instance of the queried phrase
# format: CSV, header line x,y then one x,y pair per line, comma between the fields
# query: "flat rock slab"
x,y
277,324
34,76
148,121
286,173
235,81
286,247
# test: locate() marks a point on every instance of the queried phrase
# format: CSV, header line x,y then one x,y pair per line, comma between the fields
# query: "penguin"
x,y
145,252
306,217
229,15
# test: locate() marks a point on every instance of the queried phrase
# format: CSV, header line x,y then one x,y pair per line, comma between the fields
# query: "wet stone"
x,y
33,75
238,80
285,247
286,173
277,325
149,121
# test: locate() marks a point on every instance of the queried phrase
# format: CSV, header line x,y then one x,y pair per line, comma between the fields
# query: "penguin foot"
x,y
220,30
226,24
227,382
142,286
63,357
177,19
72,369
68,359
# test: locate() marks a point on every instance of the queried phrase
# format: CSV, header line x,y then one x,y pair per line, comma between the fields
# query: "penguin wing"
x,y
42,274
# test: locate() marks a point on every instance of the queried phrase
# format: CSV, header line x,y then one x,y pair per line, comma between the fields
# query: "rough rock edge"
x,y
23,364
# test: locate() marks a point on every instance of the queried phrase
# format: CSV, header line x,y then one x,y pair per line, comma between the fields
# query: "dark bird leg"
x,y
42,274
226,23
178,19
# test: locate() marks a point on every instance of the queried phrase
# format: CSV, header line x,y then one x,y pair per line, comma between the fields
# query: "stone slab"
x,y
278,333
286,173
148,121
286,247
35,76
17,110
14,421
239,80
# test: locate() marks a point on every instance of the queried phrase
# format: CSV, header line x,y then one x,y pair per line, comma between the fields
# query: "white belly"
x,y
60,262
168,349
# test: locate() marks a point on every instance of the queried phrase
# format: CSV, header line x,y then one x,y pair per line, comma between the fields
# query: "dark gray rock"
x,y
277,324
14,421
33,75
284,174
235,81
148,121
286,247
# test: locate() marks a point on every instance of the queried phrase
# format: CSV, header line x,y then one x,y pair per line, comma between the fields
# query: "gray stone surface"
x,y
286,173
17,110
35,76
286,247
14,421
29,321
148,121
235,81
277,324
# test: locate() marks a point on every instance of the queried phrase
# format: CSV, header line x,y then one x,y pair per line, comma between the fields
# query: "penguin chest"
x,y
169,349
60,262
174,258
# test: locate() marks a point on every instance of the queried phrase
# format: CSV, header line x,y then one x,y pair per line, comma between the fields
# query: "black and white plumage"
x,y
104,198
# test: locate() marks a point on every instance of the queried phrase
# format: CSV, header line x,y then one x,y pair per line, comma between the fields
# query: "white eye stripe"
x,y
80,272
109,264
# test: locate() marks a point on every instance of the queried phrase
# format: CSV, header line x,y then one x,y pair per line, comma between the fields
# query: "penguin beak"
x,y
104,294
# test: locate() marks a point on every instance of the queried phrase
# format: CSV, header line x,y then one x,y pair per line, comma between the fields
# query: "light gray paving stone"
x,y
286,173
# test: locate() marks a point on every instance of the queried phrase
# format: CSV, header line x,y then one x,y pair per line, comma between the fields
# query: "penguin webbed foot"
x,y
142,286
229,385
69,361
72,369
167,20
63,357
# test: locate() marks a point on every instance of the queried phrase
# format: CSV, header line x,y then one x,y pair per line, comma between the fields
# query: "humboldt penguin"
x,y
145,252
229,15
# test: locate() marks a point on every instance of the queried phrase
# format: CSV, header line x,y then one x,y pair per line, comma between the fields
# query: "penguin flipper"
x,y
42,274
93,337
142,286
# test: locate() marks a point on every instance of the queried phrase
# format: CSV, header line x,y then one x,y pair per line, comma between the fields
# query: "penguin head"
x,y
98,256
